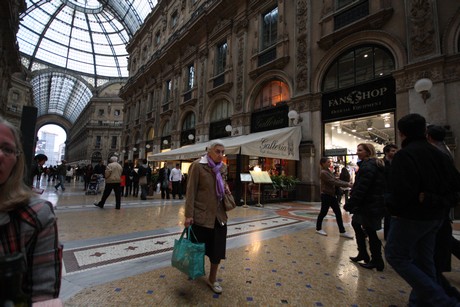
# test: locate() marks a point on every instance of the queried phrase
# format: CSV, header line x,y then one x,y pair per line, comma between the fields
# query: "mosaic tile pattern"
x,y
266,265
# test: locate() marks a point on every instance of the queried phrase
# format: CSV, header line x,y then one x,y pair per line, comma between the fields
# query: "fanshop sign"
x,y
360,100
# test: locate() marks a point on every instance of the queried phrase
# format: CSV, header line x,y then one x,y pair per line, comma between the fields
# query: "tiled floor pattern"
x,y
274,258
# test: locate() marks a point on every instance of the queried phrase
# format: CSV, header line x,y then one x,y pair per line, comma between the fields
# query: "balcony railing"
x,y
267,57
351,15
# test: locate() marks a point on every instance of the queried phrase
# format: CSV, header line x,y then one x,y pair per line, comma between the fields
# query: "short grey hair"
x,y
113,159
214,143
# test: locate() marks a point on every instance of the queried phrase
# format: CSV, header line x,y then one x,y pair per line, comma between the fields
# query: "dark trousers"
x,y
326,202
135,189
107,190
375,245
144,191
164,193
176,189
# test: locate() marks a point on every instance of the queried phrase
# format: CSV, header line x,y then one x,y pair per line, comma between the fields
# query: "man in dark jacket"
x,y
422,184
163,179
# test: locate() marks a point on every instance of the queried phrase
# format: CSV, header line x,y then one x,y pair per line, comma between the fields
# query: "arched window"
x,y
358,65
189,121
220,118
223,109
166,136
272,93
188,130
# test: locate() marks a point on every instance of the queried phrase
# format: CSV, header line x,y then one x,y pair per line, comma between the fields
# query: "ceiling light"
x,y
369,125
353,127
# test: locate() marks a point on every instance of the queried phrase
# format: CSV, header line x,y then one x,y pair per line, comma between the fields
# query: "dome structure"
x,y
73,45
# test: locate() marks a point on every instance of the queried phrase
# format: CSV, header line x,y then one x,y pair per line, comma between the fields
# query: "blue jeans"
x,y
409,250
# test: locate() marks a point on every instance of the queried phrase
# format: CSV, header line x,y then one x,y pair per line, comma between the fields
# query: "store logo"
x,y
356,97
273,147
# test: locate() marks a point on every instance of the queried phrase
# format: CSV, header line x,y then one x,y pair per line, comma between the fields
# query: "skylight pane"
x,y
79,66
51,57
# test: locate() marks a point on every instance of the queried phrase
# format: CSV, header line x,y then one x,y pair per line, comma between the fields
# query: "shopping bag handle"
x,y
187,231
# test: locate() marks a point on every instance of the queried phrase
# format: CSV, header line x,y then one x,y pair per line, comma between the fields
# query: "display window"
x,y
342,137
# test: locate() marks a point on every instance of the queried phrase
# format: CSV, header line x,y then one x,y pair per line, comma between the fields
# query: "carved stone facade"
x,y
97,132
9,59
311,35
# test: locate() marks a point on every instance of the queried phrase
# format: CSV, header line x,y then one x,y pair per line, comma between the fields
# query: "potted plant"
x,y
284,184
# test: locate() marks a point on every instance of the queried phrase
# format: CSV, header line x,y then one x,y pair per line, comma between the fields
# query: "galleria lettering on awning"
x,y
279,144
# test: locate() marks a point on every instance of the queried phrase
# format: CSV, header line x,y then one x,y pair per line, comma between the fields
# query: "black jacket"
x,y
366,196
417,168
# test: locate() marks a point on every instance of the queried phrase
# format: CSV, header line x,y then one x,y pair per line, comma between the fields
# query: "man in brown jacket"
x,y
112,182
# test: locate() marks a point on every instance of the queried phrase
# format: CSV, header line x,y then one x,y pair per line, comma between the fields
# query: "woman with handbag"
x,y
204,206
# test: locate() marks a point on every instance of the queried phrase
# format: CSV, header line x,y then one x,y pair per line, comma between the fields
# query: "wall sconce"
x,y
229,129
123,151
191,137
294,117
147,146
423,86
165,142
134,149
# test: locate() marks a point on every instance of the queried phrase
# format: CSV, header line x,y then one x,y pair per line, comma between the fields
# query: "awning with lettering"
x,y
279,144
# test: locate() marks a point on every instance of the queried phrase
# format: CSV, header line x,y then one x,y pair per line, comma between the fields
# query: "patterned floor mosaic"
x,y
274,257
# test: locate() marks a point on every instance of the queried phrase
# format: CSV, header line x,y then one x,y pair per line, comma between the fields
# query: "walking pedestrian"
x,y
112,182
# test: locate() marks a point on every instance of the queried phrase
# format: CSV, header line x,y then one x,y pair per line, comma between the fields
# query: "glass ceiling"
x,y
78,37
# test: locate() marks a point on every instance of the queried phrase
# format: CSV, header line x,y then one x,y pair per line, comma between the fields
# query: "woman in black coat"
x,y
367,206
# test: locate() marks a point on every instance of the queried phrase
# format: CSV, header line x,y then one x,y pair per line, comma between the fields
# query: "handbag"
x,y
229,202
143,180
187,256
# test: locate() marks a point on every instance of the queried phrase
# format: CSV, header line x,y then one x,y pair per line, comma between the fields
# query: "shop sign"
x,y
270,119
335,152
369,98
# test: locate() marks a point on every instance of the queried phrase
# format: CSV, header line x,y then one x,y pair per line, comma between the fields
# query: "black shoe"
x,y
97,205
358,258
379,265
118,208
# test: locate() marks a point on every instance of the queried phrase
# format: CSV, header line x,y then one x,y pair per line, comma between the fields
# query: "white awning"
x,y
279,144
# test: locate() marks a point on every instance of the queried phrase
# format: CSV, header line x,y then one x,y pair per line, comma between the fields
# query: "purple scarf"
x,y
219,182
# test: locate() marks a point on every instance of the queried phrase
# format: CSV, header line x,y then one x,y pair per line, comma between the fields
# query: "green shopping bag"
x,y
188,257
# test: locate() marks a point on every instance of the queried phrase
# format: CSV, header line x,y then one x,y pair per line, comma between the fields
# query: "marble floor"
x,y
274,257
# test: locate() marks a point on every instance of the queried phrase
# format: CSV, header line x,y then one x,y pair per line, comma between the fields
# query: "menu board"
x,y
245,177
260,177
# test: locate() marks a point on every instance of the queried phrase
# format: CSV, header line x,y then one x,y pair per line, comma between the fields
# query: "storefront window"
x,y
342,137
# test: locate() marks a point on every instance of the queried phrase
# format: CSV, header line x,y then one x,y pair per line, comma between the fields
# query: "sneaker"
x,y
321,232
346,235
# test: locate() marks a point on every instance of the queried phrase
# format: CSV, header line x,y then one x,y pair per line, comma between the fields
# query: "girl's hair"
x,y
371,152
14,192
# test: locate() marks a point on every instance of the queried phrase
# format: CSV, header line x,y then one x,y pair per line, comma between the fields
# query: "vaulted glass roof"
x,y
82,37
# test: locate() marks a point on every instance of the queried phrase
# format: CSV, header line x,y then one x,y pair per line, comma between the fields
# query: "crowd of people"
x,y
411,190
